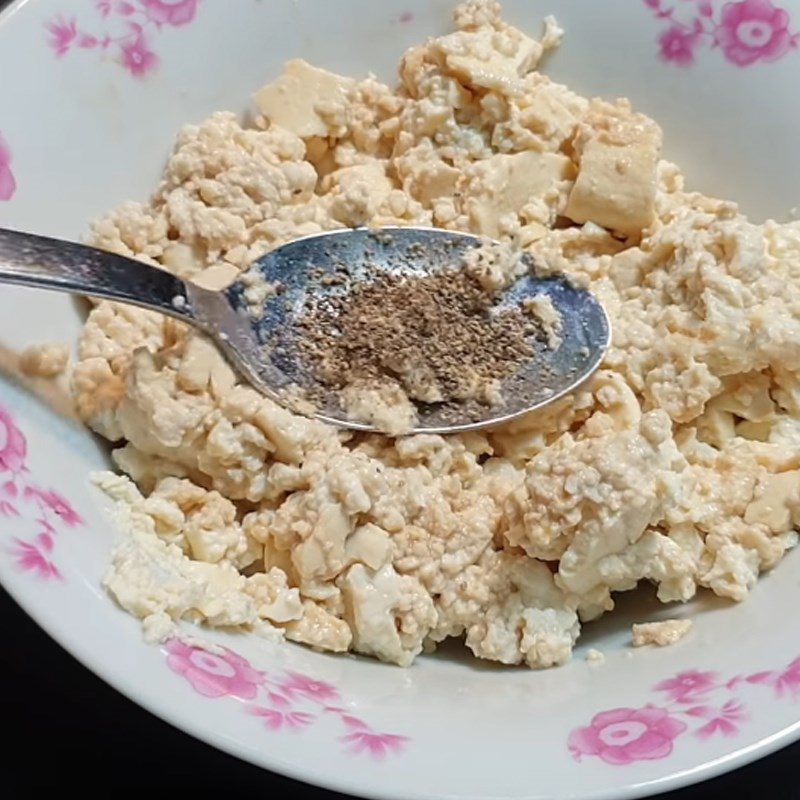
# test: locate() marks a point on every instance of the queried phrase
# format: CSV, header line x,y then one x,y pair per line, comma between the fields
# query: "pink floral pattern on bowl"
x,y
214,675
746,32
33,514
125,29
698,701
8,186
287,702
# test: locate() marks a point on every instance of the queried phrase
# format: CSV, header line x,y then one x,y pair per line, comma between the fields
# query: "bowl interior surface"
x,y
85,135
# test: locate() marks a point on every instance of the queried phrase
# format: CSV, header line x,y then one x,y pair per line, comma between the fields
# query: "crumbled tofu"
x,y
505,185
425,176
660,634
390,614
358,192
495,265
676,464
153,576
44,360
384,405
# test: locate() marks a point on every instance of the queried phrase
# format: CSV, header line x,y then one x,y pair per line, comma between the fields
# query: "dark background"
x,y
71,732
67,730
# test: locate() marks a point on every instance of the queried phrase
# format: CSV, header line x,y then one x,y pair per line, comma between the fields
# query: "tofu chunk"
x,y
488,58
660,634
777,502
616,184
296,99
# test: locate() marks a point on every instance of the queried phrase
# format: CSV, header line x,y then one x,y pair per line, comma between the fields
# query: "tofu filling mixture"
x,y
677,464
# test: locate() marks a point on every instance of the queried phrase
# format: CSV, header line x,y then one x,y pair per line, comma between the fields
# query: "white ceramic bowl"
x,y
82,131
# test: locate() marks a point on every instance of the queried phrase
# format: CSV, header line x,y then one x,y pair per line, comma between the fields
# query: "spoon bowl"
x,y
310,266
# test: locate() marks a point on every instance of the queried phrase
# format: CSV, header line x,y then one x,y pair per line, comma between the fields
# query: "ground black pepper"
x,y
442,337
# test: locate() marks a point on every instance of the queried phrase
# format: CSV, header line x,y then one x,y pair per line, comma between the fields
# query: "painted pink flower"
x,y
720,720
315,690
624,735
753,30
347,719
784,682
677,45
685,686
45,542
214,675
377,745
8,509
170,12
13,447
137,58
62,34
140,18
278,720
59,505
7,183
733,684
32,557
279,700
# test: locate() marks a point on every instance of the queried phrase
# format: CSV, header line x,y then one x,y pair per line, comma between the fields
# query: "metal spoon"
x,y
300,268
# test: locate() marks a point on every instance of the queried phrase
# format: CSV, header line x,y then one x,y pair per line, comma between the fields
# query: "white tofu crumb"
x,y
495,265
44,360
595,657
158,627
383,405
257,290
660,634
541,307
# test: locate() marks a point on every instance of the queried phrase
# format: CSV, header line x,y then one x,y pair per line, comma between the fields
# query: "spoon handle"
x,y
38,261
